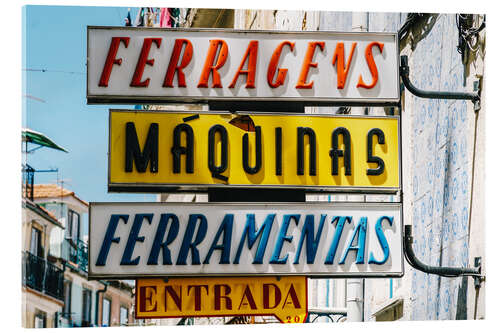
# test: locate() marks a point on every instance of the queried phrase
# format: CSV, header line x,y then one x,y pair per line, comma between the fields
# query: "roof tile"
x,y
41,191
50,191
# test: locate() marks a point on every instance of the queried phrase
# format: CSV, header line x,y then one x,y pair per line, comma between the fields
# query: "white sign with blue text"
x,y
130,240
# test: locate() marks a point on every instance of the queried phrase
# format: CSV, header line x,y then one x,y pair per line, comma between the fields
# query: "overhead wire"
x,y
43,70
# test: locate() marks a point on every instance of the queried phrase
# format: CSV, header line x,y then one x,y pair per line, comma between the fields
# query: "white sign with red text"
x,y
132,65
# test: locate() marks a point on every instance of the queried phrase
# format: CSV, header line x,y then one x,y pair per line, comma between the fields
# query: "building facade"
x,y
56,291
86,303
42,285
117,304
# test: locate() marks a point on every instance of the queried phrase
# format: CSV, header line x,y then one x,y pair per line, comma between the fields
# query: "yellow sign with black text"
x,y
284,297
167,150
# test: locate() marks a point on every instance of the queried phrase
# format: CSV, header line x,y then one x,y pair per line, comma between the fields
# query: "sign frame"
x,y
133,276
202,188
246,102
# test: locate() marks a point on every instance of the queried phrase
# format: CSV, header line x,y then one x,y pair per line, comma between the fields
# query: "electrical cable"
x,y
466,33
476,298
50,70
412,17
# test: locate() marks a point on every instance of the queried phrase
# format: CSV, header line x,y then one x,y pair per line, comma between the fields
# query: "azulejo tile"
x,y
455,189
430,172
438,202
446,196
464,183
415,185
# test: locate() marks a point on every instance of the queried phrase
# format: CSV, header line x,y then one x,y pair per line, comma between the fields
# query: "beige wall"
x,y
31,219
32,302
118,298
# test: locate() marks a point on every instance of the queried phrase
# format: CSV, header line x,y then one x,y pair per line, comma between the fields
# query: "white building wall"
x,y
438,144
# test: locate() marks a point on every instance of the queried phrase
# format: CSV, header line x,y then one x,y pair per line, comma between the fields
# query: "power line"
x,y
50,70
34,97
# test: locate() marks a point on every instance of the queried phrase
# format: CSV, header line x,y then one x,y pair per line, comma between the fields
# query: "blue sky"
x,y
55,76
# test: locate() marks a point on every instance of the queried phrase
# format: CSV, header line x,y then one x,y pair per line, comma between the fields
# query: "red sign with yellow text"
x,y
284,297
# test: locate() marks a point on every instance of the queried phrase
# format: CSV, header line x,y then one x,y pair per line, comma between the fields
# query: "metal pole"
x,y
354,292
354,300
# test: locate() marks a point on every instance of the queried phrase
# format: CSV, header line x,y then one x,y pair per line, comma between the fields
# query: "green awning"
x,y
39,139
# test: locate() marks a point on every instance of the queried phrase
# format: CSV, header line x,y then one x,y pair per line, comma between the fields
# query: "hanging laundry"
x,y
165,21
174,16
149,17
171,18
156,18
128,19
139,20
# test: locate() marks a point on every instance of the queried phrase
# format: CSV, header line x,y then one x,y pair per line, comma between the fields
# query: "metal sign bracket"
x,y
405,76
410,256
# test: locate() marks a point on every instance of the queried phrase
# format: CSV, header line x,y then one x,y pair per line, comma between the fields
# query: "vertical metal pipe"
x,y
354,300
99,291
354,292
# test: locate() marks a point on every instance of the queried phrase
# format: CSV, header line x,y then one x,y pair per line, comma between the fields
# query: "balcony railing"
x,y
76,252
28,176
41,275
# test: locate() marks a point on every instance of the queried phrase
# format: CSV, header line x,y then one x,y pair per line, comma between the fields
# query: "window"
x,y
40,319
123,316
72,235
36,242
86,306
106,311
73,227
67,299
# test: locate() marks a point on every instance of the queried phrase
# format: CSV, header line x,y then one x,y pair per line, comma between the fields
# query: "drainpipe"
x,y
354,299
56,316
354,292
97,301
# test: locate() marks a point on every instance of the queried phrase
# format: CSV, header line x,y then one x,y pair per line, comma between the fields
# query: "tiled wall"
x,y
442,143
439,146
